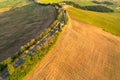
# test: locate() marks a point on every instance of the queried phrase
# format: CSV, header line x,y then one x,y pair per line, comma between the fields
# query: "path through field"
x,y
82,52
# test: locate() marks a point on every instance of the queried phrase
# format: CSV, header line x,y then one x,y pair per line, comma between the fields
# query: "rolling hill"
x,y
82,52
6,5
108,21
88,47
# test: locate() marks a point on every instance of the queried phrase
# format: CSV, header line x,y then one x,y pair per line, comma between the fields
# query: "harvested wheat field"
x,y
82,52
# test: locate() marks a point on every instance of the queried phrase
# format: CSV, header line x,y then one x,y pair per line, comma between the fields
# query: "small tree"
x,y
1,67
10,69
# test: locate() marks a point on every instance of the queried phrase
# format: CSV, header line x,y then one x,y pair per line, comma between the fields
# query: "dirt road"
x,y
82,52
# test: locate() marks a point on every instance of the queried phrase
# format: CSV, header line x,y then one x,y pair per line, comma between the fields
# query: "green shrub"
x,y
10,69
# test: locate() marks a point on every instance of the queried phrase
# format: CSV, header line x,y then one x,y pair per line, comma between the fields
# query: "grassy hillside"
x,y
82,52
85,2
108,21
20,25
6,5
82,2
110,4
13,3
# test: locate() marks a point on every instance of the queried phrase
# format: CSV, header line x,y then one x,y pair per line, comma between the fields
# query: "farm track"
x,y
82,52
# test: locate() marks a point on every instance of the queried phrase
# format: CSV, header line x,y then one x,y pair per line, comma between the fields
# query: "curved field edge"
x,y
72,58
40,53
30,62
56,38
107,21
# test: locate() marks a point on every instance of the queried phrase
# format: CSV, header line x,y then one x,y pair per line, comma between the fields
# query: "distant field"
x,y
6,5
48,1
110,4
76,1
20,25
82,2
108,21
12,3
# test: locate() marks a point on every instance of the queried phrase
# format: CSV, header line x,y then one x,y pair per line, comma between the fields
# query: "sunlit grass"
x,y
12,3
48,1
108,21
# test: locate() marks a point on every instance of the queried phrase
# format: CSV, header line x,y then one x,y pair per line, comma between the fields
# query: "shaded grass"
x,y
108,21
82,2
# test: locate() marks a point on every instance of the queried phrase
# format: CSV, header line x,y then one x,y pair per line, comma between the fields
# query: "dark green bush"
x,y
103,2
97,8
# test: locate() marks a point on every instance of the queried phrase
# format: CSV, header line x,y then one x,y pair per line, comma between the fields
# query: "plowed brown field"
x,y
82,52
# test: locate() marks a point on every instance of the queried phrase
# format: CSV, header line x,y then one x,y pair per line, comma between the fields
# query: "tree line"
x,y
97,8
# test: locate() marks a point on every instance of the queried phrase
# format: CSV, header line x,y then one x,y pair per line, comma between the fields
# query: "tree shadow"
x,y
97,8
103,2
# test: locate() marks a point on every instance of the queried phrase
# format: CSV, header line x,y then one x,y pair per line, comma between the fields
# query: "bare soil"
x,y
20,25
82,52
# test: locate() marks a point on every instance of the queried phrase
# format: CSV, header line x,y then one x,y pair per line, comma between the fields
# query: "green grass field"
x,y
12,3
85,3
90,3
82,2
6,5
108,21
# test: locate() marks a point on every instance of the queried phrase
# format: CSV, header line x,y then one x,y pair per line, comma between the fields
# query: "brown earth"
x,y
82,52
17,28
